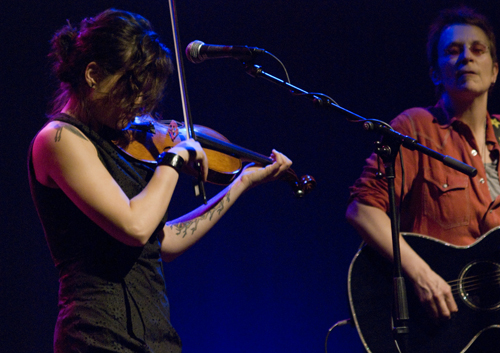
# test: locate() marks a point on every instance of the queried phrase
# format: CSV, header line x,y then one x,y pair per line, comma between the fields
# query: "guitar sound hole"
x,y
479,285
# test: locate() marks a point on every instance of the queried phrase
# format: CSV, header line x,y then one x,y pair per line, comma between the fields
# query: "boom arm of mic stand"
x,y
412,144
369,125
317,98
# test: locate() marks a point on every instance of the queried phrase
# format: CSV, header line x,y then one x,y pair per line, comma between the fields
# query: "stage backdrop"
x,y
272,275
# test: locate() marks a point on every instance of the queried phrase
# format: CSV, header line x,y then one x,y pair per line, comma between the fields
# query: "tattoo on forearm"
x,y
183,228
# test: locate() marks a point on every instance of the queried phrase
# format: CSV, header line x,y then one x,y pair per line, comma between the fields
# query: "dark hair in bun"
x,y
118,42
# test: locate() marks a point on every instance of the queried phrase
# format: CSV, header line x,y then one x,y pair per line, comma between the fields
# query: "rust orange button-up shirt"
x,y
437,201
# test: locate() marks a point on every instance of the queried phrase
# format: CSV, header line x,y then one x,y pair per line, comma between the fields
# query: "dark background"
x,y
272,275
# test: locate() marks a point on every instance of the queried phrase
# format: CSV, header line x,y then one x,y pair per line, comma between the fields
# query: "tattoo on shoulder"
x,y
70,128
183,228
58,134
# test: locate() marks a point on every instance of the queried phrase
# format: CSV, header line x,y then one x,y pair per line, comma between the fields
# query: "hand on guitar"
x,y
434,294
374,226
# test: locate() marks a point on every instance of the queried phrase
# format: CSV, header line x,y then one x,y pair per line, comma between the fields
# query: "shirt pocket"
x,y
447,199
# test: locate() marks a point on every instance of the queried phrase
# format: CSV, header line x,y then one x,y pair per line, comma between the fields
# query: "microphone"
x,y
198,52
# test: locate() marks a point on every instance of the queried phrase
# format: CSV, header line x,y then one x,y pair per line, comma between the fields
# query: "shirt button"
x,y
445,186
481,180
474,153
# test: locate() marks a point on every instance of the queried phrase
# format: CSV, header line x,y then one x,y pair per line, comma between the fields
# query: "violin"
x,y
145,138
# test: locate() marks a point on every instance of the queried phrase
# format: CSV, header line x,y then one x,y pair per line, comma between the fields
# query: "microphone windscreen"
x,y
193,52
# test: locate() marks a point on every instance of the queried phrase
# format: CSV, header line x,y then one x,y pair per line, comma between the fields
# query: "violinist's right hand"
x,y
193,155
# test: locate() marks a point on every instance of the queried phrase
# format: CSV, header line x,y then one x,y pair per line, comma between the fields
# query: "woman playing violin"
x,y
103,212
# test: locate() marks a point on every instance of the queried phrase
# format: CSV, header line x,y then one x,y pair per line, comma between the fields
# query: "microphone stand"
x,y
388,151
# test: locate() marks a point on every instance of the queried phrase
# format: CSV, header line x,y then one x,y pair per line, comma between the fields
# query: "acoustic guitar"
x,y
472,271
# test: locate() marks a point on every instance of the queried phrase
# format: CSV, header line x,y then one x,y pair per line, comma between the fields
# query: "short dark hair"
x,y
119,42
449,17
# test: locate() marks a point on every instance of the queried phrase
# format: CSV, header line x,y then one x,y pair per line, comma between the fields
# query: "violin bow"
x,y
199,188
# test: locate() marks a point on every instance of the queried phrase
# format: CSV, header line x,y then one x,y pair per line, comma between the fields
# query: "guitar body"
x,y
474,273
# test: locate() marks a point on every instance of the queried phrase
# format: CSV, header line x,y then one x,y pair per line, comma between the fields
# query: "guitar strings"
x,y
475,278
475,282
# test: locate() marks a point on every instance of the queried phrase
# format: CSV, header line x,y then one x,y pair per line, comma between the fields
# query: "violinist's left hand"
x,y
254,175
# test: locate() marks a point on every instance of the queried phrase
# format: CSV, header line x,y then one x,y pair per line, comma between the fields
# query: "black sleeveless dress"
x,y
112,297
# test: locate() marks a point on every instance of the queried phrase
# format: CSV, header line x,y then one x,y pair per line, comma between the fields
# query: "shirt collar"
x,y
441,115
445,120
